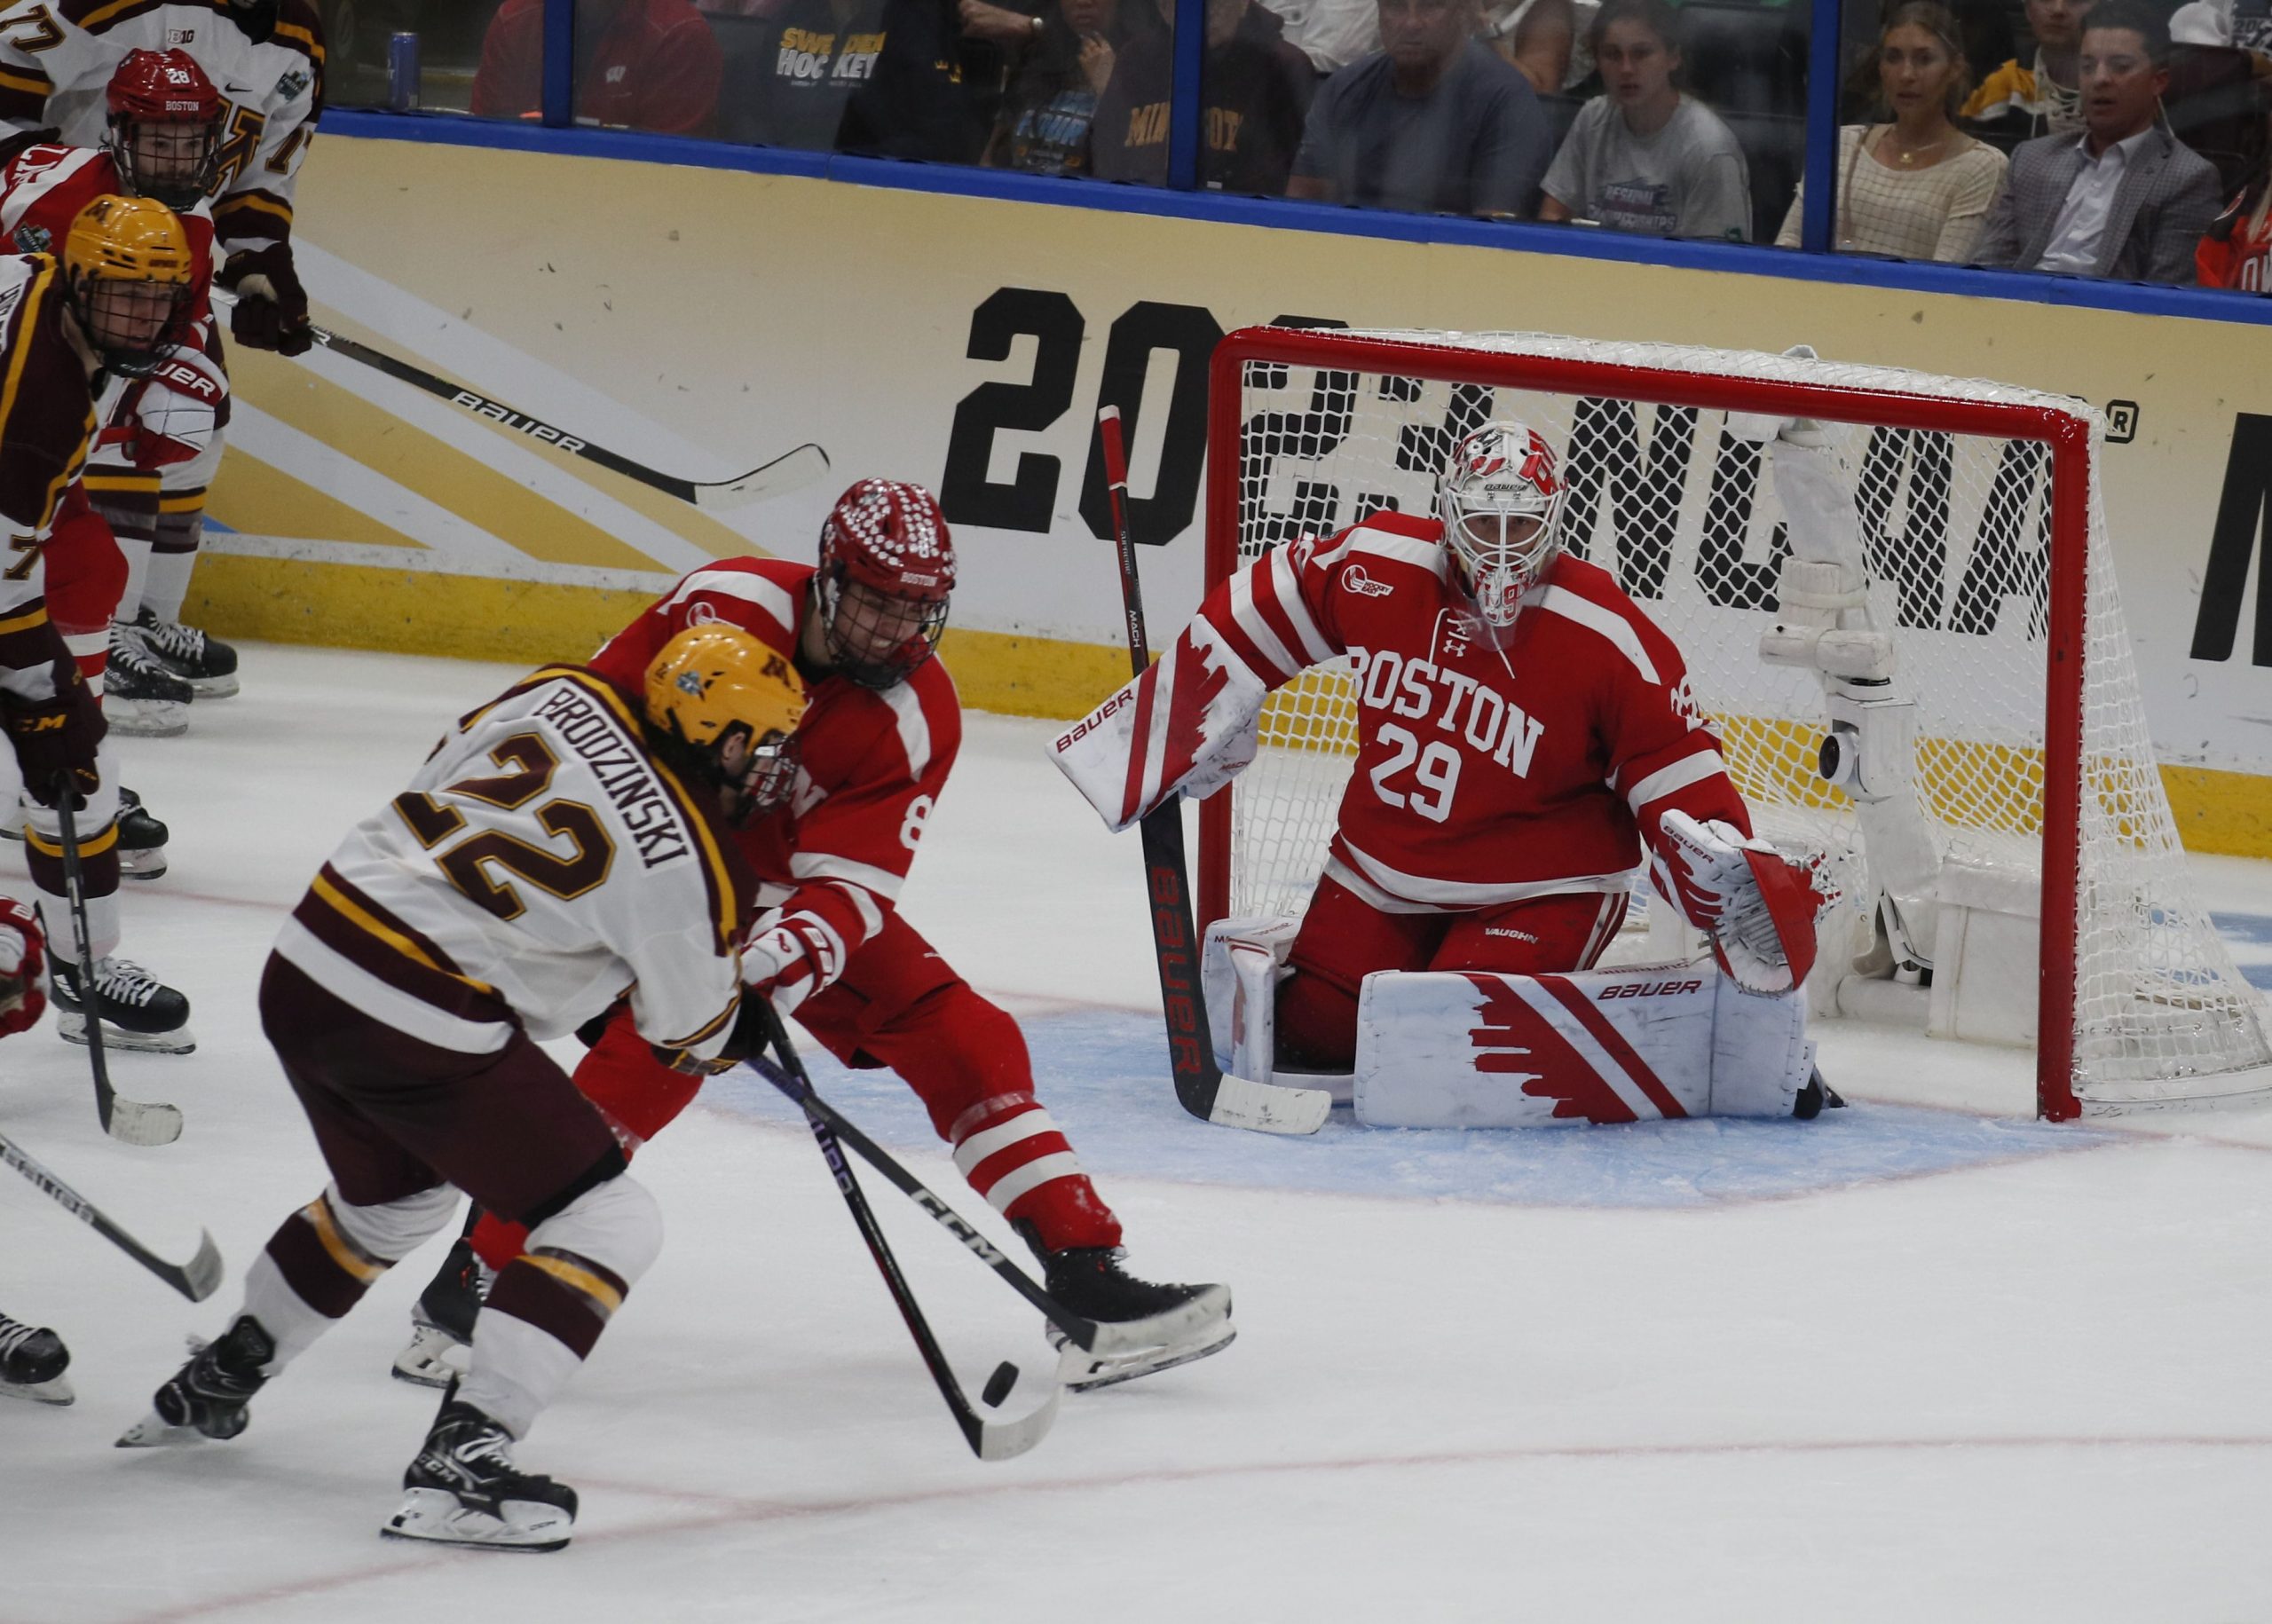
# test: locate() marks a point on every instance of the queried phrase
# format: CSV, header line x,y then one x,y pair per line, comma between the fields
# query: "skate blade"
x,y
154,1431
434,1358
71,1026
146,719
214,687
141,865
1085,1371
56,1391
436,1516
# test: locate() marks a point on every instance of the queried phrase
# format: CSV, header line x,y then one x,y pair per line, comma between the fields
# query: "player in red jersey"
x,y
875,747
162,433
1525,739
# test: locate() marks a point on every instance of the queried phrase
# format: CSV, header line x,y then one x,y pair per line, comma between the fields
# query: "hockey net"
x,y
1989,559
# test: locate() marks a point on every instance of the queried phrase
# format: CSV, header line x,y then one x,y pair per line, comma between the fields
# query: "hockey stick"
x,y
787,472
1201,1085
132,1122
989,1439
1098,1336
195,1279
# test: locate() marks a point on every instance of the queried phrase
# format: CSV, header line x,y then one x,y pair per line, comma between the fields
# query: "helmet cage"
x,y
858,622
768,773
1500,504
156,92
110,306
188,179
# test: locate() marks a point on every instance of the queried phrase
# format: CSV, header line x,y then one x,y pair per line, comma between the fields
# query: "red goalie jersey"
x,y
1488,772
870,764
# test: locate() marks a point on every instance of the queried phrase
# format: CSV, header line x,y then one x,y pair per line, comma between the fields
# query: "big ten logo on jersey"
x,y
804,54
625,774
1464,711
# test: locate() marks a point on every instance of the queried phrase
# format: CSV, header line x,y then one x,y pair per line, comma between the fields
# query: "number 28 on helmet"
x,y
1500,501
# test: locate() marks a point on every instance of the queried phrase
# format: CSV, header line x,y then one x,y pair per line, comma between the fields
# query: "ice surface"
x,y
1925,1358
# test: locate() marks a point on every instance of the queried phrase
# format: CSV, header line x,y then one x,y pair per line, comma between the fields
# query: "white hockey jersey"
x,y
541,865
56,58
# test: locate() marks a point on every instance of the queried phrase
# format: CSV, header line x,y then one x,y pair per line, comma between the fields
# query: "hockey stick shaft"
x,y
791,1079
133,1121
1167,886
864,1218
196,1280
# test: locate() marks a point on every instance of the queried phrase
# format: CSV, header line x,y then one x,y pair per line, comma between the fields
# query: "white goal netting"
x,y
1961,531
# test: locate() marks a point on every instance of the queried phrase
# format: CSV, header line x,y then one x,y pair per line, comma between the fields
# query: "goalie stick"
x,y
791,471
1201,1085
989,1439
195,1279
131,1122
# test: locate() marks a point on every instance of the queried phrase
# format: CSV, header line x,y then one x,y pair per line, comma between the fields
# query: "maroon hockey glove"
x,y
271,310
56,738
23,964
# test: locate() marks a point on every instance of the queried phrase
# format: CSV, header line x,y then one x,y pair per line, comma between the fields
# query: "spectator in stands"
x,y
871,76
1043,126
1643,157
2236,251
1433,122
1919,187
2015,104
642,63
2125,199
1255,91
1332,34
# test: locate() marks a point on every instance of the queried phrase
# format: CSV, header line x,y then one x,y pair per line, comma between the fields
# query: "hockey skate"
x,y
141,839
142,698
1158,1326
208,1396
32,1360
463,1489
207,664
137,1010
441,1322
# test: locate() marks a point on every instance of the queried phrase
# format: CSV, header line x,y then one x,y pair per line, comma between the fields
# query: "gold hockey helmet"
x,y
714,685
128,267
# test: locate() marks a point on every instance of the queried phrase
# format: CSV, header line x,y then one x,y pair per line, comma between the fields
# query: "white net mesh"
x,y
1958,529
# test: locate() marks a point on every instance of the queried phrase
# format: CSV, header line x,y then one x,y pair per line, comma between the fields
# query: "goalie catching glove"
x,y
1758,907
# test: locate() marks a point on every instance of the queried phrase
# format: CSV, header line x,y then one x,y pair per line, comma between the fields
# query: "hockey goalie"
x,y
1527,750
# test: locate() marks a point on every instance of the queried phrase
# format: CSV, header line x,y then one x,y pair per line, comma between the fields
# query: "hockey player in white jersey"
x,y
561,845
266,57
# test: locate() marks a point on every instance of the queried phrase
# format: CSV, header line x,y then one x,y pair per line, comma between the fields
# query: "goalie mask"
x,y
165,126
735,704
126,270
1501,502
886,571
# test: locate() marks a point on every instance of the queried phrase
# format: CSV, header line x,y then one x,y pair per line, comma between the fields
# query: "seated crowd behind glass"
x,y
1643,156
1255,91
1433,122
2015,103
640,64
1916,187
2236,251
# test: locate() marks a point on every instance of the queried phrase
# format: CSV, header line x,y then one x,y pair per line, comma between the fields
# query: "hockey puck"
x,y
999,1384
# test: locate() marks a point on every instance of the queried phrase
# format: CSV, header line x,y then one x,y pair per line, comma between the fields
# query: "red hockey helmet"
x,y
165,126
887,569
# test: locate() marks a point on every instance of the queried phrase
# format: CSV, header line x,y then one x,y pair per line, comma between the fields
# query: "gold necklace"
x,y
1909,156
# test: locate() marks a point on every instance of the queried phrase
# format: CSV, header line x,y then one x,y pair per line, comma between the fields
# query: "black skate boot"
x,y
1145,1326
207,664
441,1322
137,1010
142,698
208,1396
32,1360
141,839
1816,1097
463,1489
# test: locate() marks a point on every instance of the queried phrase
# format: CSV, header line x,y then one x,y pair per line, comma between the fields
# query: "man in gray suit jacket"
x,y
2125,199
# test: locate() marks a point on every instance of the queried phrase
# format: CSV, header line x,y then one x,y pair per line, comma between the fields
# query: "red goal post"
x,y
1310,428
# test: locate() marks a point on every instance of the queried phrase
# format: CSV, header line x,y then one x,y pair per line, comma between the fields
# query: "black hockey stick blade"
x,y
130,1122
196,1280
1201,1086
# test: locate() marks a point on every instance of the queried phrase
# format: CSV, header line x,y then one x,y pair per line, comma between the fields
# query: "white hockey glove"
x,y
1758,907
790,957
1761,427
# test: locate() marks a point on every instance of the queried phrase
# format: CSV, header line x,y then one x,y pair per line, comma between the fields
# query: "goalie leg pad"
x,y
1491,1050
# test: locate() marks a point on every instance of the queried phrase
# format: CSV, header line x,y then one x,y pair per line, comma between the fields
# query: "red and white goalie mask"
x,y
886,571
165,127
1501,502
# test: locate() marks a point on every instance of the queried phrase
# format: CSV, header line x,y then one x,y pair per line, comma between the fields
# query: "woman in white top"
x,y
1919,187
1643,156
